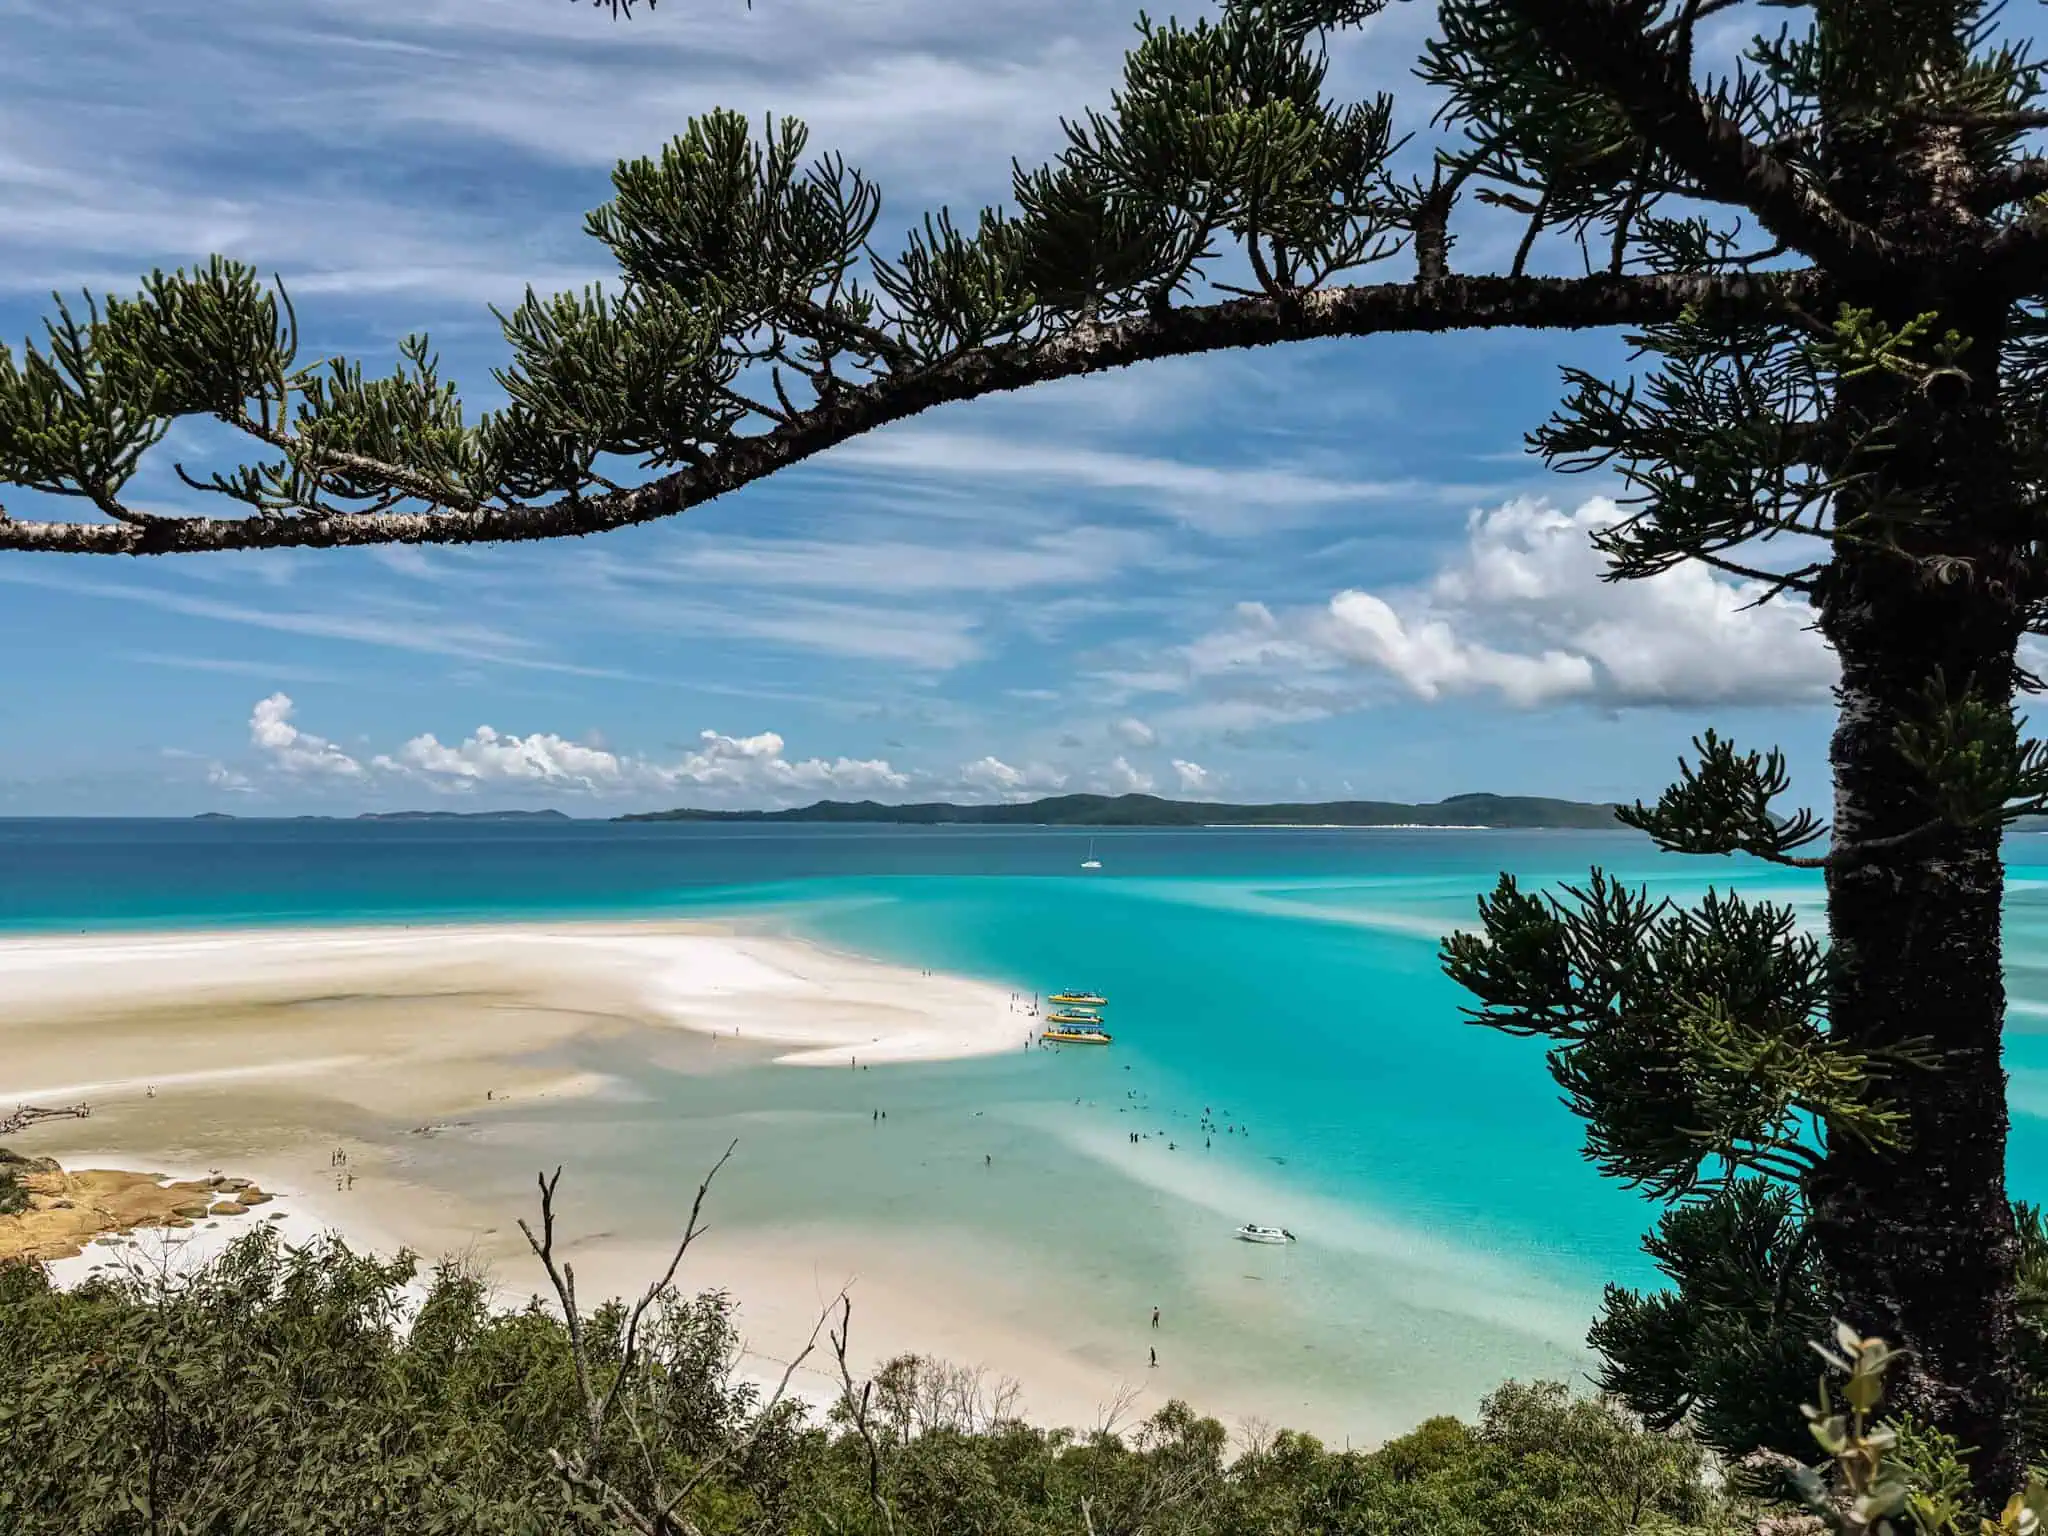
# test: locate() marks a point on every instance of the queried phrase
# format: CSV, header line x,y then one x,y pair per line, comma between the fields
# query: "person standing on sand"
x,y
1155,1359
1155,1317
988,1159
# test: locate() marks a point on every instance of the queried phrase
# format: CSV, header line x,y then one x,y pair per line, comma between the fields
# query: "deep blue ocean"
x,y
1288,977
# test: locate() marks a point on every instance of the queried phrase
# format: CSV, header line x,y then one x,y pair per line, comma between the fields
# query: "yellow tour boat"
x,y
1081,999
1076,1034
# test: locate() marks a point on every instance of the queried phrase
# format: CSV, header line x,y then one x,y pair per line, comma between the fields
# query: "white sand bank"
x,y
351,1012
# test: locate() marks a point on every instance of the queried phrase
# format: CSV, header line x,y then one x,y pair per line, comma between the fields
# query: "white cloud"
x,y
1135,732
1081,555
272,733
736,769
755,763
1519,613
993,775
221,776
488,757
1194,778
1429,656
426,631
1223,499
1122,779
924,638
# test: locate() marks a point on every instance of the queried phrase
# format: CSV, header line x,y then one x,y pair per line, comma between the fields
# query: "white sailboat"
x,y
1252,1232
1091,862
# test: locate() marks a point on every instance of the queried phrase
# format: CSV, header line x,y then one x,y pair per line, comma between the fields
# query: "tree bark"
x,y
1919,1245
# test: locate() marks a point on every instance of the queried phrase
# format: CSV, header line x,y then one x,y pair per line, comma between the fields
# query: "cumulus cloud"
x,y
1135,732
272,733
1431,658
1122,779
992,775
486,756
742,763
1521,614
1194,778
734,768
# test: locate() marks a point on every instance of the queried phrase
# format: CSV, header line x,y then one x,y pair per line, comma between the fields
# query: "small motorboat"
x,y
1075,1034
1072,1016
1252,1232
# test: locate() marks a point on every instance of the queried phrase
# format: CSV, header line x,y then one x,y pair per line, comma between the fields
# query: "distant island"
x,y
1476,810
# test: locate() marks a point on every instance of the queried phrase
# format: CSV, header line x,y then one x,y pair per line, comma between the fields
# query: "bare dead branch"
x,y
858,1409
692,1230
22,1116
741,1448
563,1278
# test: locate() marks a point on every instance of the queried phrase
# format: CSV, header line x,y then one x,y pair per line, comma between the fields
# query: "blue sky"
x,y
1324,571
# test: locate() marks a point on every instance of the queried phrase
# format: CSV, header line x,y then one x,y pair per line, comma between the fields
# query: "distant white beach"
x,y
1350,826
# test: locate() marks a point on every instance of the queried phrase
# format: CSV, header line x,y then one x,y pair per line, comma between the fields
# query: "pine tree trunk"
x,y
1920,1244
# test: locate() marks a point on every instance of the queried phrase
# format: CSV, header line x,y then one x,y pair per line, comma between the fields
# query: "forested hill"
x,y
1477,810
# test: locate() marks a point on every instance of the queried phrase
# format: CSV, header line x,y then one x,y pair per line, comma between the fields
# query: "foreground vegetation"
x,y
282,1391
1828,255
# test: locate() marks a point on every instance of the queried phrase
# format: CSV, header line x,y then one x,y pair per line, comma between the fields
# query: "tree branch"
x,y
691,1232
858,1407
408,481
2014,182
1605,41
1441,304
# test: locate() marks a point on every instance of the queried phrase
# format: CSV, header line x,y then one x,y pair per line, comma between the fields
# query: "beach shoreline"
x,y
323,1063
809,1005
995,1207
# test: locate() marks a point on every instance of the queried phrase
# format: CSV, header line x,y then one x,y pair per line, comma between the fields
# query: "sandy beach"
x,y
982,1204
318,1062
419,1011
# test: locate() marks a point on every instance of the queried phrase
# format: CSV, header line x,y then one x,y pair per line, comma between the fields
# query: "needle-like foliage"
x,y
1827,248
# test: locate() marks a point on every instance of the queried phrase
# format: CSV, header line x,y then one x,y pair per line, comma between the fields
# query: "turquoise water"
x,y
1285,981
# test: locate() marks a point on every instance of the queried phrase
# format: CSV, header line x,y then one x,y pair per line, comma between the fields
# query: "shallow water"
x,y
1284,982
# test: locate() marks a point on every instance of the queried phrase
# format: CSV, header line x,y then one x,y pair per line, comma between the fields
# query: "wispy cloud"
x,y
884,565
233,666
1228,499
427,632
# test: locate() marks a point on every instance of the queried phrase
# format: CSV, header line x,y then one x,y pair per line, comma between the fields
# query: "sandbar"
x,y
423,1016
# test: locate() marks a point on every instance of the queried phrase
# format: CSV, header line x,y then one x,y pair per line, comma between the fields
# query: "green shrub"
x,y
282,1391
